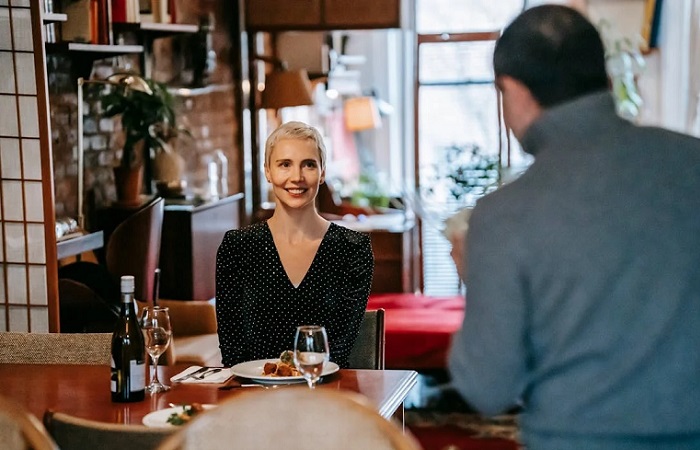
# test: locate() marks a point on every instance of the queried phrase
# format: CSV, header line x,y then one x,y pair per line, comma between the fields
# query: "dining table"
x,y
84,390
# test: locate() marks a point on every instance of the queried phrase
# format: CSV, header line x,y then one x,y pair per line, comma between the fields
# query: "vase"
x,y
128,182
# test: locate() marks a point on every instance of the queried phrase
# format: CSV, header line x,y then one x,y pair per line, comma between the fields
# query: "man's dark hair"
x,y
555,51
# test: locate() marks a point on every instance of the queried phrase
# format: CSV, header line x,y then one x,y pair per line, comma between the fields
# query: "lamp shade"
x,y
286,88
361,113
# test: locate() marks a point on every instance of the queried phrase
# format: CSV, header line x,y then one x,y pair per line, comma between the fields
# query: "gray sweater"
x,y
584,286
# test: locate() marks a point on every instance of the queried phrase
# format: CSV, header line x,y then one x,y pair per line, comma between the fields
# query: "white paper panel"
x,y
9,158
26,80
8,112
29,119
17,288
40,319
5,30
12,200
35,201
37,285
36,253
19,319
22,30
31,158
7,73
14,243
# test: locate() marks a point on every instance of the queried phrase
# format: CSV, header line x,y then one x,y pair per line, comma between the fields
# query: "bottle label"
x,y
138,376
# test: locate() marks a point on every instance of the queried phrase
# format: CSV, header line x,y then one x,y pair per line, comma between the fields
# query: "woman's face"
x,y
294,170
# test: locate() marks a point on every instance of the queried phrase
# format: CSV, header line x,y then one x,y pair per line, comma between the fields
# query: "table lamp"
x,y
284,87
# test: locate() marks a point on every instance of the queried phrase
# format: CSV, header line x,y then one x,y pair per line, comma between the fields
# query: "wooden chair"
x,y
368,351
55,348
75,433
89,292
292,418
134,248
19,430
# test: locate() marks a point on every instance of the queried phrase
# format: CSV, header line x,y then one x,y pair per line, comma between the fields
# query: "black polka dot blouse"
x,y
258,308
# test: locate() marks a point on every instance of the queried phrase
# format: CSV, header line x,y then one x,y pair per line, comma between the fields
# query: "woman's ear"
x,y
267,173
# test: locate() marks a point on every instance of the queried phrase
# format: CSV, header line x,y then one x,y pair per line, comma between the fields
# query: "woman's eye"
x,y
311,164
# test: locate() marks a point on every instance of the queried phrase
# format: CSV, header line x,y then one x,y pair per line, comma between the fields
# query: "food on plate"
x,y
188,413
283,368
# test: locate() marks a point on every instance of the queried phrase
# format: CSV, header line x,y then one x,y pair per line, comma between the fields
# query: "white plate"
x,y
159,419
254,370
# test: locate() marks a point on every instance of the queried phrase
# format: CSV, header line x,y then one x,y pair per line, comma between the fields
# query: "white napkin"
x,y
212,375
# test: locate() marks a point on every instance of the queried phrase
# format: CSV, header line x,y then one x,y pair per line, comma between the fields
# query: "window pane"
x,y
456,62
453,16
457,115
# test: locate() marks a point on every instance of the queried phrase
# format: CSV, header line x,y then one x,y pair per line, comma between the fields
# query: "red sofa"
x,y
418,328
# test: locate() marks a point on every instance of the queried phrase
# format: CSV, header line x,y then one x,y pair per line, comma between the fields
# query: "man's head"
x,y
548,55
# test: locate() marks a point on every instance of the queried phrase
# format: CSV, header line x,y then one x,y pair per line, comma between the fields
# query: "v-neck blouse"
x,y
258,308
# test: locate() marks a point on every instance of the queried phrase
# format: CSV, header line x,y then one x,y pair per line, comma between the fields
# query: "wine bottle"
x,y
128,351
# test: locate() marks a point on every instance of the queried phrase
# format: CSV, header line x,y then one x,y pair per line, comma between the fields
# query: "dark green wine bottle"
x,y
128,379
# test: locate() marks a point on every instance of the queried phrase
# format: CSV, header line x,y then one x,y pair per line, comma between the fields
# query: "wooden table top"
x,y
83,391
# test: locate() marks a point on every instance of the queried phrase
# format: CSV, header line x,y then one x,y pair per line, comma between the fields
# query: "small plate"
x,y
254,369
159,419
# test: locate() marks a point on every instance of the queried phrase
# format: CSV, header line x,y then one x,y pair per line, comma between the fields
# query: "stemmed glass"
x,y
155,323
311,352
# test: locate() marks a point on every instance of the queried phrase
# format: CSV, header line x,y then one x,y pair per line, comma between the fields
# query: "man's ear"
x,y
520,108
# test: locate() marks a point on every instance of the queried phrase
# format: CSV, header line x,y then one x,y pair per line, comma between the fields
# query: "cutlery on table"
x,y
206,373
191,375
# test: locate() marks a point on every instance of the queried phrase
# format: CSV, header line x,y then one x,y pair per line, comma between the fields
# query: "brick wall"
x,y
207,112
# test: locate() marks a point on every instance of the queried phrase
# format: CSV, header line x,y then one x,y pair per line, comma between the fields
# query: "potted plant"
x,y
147,117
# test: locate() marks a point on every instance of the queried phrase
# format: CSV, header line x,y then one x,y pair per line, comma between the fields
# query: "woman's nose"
x,y
297,173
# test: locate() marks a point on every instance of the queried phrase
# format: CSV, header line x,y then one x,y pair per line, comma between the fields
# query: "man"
x,y
584,274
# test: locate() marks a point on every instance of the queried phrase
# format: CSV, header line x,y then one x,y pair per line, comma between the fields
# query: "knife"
x,y
190,375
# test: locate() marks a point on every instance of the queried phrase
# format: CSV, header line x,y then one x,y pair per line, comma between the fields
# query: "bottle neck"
x,y
127,297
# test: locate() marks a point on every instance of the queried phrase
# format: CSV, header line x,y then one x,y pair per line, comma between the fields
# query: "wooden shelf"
x,y
85,54
54,17
155,30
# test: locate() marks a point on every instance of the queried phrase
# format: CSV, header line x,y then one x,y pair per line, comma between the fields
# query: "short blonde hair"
x,y
296,130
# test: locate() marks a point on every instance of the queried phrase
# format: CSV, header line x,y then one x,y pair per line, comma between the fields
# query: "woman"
x,y
295,268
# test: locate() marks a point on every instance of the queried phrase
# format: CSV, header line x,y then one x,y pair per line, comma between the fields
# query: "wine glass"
x,y
311,352
155,323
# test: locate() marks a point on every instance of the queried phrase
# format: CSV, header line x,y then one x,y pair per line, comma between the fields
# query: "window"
x,y
459,120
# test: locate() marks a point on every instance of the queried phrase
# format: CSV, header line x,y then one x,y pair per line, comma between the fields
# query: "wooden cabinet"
x,y
392,238
271,15
191,236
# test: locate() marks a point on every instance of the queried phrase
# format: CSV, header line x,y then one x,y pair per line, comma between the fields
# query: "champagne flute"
x,y
311,352
155,323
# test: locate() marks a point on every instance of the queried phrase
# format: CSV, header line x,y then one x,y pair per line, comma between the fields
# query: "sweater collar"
x,y
581,116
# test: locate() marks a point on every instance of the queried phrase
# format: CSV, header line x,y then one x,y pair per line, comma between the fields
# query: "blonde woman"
x,y
295,268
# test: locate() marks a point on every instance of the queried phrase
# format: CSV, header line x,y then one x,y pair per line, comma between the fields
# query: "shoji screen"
x,y
28,298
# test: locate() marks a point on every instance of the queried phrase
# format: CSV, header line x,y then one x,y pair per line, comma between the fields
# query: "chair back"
x,y
134,248
55,348
293,418
368,351
19,430
75,433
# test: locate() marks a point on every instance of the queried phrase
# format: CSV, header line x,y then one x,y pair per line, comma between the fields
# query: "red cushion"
x,y
418,329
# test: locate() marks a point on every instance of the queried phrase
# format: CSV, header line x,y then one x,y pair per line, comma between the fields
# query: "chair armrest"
x,y
190,318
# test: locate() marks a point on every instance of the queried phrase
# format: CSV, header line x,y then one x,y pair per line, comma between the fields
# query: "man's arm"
x,y
488,360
